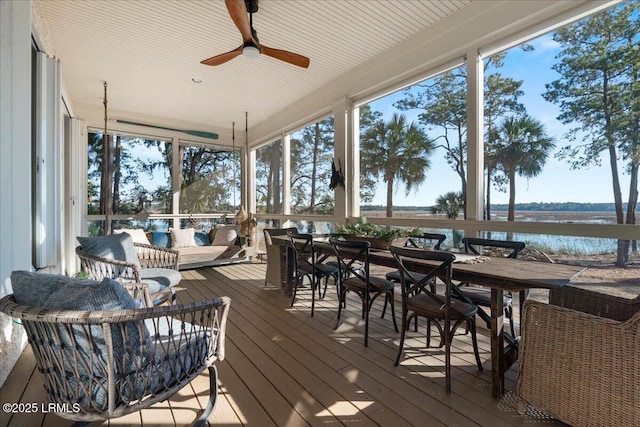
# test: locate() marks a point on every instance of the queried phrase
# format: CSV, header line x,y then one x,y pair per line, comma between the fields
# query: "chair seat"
x,y
482,296
427,306
158,279
320,270
378,283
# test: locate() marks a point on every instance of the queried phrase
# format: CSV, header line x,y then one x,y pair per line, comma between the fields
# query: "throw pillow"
x,y
161,238
55,292
115,246
202,238
182,238
225,236
137,234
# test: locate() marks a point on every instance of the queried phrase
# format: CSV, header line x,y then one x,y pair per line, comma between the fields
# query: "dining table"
x,y
498,274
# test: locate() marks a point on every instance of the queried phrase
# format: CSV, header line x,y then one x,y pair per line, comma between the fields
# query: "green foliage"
x,y
269,178
312,155
450,204
367,229
598,93
82,275
522,148
397,152
208,179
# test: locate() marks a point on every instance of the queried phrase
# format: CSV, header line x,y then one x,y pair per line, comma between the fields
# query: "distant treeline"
x,y
553,207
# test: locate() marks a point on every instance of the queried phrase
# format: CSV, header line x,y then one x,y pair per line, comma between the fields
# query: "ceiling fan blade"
x,y
238,12
286,56
222,58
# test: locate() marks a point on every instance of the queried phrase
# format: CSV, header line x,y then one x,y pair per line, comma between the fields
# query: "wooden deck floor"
x,y
286,368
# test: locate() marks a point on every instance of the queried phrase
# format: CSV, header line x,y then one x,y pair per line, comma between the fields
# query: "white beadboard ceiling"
x,y
148,52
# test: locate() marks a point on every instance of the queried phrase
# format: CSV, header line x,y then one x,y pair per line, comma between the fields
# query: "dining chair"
x,y
419,299
482,296
308,264
354,276
427,240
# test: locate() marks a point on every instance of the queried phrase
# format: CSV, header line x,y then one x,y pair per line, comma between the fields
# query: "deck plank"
x,y
286,368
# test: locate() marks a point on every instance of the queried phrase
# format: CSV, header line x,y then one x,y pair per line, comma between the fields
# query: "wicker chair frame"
x,y
149,256
275,256
63,376
579,368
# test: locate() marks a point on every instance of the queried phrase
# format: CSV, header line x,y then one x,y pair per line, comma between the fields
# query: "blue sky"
x,y
556,183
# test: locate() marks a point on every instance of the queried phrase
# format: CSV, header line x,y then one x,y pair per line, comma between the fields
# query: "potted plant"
x,y
379,236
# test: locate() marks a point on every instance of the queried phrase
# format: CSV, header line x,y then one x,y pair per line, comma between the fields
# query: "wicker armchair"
x,y
104,364
579,368
604,300
275,255
154,265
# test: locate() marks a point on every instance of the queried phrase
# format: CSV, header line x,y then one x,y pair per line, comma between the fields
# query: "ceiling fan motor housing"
x,y
252,6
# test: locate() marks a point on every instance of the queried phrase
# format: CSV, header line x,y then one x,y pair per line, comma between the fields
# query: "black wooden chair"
x,y
427,240
482,296
353,276
419,299
309,264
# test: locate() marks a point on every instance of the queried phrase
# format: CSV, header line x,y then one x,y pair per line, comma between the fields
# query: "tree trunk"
x,y
488,193
314,168
105,184
633,202
390,197
273,181
117,155
511,216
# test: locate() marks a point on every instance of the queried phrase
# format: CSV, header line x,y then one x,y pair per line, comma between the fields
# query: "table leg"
x,y
497,344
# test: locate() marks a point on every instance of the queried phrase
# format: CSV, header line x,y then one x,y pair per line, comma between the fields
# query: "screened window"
x,y
209,179
311,159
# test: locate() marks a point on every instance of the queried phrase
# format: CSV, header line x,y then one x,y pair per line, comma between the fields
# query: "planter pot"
x,y
378,243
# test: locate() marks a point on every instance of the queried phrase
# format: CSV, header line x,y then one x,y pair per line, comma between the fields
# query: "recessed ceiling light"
x,y
196,80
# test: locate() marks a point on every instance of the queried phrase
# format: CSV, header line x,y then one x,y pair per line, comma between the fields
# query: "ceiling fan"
x,y
251,47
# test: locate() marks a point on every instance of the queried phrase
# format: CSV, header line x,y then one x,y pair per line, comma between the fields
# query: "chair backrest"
x,y
475,246
412,284
433,239
118,247
303,248
353,258
269,232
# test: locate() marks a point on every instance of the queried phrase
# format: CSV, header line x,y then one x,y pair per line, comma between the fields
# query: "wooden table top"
x,y
493,272
502,273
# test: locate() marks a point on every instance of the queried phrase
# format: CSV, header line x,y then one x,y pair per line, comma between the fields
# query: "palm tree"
x,y
450,204
523,148
398,151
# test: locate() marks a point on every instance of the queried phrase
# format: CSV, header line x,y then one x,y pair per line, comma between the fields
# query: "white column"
x,y
286,174
76,189
250,186
48,170
475,136
353,165
342,156
176,180
15,164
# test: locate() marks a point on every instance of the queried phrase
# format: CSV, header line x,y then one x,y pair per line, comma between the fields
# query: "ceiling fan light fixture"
x,y
250,50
